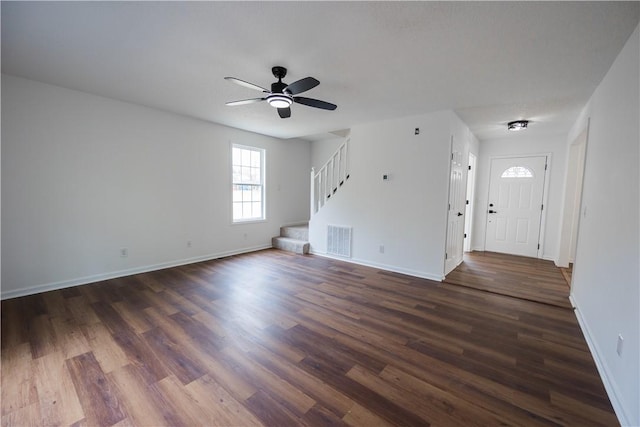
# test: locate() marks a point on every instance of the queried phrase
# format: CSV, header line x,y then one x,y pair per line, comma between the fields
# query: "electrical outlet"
x,y
381,249
620,345
124,252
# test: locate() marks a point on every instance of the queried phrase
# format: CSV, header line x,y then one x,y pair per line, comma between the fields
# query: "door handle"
x,y
492,211
459,213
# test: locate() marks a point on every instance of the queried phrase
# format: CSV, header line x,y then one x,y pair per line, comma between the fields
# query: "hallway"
x,y
531,279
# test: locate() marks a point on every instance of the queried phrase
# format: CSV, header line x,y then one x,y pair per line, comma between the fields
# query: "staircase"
x,y
324,184
293,238
328,180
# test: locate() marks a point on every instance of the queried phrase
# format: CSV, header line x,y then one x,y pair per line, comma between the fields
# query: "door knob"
x,y
459,213
492,211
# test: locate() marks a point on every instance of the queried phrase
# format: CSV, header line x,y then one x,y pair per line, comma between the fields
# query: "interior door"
x,y
455,219
515,206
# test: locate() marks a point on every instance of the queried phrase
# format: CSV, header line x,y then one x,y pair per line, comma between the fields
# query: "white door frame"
x,y
572,198
469,209
545,197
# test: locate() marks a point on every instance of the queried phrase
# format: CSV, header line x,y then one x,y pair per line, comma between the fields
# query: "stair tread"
x,y
290,239
295,231
291,244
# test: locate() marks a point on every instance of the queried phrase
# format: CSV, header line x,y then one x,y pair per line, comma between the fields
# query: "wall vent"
x,y
339,241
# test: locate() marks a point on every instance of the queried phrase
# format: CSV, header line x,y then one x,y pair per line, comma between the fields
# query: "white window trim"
x,y
263,180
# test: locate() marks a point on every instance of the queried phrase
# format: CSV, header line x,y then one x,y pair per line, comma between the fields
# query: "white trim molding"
x,y
408,272
605,375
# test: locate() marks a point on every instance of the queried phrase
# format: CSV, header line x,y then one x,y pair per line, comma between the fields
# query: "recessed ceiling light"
x,y
279,101
517,125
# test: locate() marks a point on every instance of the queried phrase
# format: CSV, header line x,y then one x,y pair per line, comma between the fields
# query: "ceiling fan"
x,y
281,95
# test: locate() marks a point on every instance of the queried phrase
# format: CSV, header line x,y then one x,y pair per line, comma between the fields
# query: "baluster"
x,y
312,207
346,160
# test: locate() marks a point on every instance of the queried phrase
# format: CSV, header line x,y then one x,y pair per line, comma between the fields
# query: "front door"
x,y
515,206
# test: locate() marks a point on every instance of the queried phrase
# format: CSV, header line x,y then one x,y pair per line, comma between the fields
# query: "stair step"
x,y
299,232
290,244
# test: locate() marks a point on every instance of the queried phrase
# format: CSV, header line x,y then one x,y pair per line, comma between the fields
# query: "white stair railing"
x,y
326,182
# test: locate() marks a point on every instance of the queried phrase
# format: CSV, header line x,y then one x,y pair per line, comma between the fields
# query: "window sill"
x,y
248,221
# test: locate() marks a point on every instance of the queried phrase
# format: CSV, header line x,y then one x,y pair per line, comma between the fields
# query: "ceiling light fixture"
x,y
279,101
517,125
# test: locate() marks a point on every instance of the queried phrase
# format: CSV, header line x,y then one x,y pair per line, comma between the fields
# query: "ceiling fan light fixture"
x,y
279,101
517,125
281,95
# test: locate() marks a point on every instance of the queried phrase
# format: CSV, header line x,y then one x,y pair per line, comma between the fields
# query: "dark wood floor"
x,y
531,279
277,339
567,273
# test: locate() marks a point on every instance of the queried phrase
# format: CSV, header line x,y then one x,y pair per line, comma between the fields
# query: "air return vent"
x,y
339,241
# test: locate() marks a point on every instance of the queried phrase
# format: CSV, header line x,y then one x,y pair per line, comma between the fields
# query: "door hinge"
x,y
449,208
545,166
542,207
446,255
451,156
469,167
538,245
467,202
465,235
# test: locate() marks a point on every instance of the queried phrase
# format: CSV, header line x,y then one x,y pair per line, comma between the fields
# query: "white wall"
x,y
84,176
606,277
519,145
323,149
407,214
474,145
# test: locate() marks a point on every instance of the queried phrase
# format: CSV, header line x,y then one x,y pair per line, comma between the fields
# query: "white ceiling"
x,y
491,62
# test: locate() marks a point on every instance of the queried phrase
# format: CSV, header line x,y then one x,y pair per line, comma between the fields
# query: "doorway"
x,y
515,205
468,217
572,201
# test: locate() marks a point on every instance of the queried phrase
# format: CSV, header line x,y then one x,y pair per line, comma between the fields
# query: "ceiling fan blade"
x,y
246,84
301,85
245,101
284,112
314,103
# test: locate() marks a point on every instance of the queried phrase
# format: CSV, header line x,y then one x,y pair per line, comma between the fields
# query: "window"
x,y
517,172
247,165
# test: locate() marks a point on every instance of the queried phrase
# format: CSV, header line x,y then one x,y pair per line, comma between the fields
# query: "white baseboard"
x,y
121,273
408,272
605,375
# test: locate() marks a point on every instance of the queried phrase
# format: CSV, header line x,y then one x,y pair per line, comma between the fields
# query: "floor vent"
x,y
339,241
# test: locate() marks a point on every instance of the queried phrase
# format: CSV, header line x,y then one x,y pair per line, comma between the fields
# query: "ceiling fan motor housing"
x,y
278,87
279,73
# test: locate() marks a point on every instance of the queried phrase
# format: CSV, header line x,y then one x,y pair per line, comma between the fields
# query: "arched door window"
x,y
517,172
